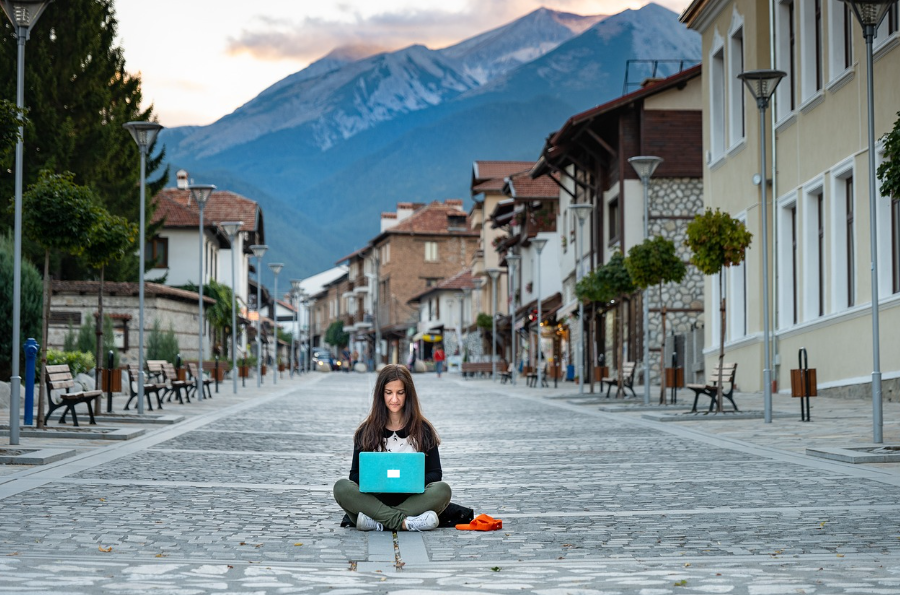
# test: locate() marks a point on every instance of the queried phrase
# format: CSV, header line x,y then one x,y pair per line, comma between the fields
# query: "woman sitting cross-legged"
x,y
395,424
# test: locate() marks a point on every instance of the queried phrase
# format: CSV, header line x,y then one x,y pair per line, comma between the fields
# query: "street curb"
x,y
34,456
858,454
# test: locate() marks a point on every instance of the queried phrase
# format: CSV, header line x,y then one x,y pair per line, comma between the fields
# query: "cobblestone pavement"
x,y
238,498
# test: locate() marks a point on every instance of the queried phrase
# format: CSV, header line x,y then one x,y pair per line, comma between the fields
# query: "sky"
x,y
200,60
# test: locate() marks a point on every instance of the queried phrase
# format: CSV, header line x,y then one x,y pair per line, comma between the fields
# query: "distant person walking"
x,y
439,357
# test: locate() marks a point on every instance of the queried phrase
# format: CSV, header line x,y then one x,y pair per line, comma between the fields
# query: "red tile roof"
x,y
461,280
523,187
486,170
433,219
180,211
122,288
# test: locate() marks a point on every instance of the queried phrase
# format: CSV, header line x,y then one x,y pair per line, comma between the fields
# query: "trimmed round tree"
x,y
111,239
58,216
655,262
889,170
717,240
603,285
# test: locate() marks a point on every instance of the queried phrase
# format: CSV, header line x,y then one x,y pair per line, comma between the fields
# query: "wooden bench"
x,y
59,385
166,371
720,375
506,376
628,369
150,388
480,368
192,372
531,377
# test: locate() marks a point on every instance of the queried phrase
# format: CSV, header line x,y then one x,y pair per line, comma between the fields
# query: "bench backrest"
x,y
192,370
724,374
59,377
628,369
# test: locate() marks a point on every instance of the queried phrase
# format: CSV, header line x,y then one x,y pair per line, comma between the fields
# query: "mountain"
x,y
326,151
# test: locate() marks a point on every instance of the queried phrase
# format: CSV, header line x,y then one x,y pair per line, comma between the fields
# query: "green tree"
x,y
79,93
30,313
609,283
111,239
717,240
58,216
655,262
219,314
162,345
335,334
889,170
9,131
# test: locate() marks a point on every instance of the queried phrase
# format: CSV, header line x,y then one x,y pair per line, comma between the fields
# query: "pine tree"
x,y
78,94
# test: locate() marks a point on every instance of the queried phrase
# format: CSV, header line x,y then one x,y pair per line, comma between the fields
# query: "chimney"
x,y
388,220
182,177
405,209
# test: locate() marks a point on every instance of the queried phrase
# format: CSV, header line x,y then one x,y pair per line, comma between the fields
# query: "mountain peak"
x,y
354,52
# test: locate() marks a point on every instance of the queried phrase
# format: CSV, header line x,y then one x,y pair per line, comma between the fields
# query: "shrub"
x,y
30,320
79,362
162,345
484,321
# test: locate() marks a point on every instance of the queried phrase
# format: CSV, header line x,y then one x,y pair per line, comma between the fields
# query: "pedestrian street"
x,y
238,500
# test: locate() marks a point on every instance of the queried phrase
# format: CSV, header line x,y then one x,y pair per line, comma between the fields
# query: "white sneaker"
x,y
365,523
426,521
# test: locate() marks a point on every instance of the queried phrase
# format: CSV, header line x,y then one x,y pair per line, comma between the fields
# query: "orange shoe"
x,y
482,522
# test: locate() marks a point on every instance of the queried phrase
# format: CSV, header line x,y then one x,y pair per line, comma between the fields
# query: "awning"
x,y
429,337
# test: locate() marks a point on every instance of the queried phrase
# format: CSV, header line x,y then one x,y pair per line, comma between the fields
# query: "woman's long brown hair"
x,y
369,435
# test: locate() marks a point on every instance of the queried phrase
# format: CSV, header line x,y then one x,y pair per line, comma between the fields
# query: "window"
x,y
785,57
717,87
431,252
385,251
737,125
889,25
812,43
384,290
788,282
794,288
895,244
850,244
820,251
157,252
613,221
847,34
737,297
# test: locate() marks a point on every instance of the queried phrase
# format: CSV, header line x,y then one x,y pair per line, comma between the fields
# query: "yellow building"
x,y
818,176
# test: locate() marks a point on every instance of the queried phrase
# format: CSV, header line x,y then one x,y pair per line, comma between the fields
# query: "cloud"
x,y
312,37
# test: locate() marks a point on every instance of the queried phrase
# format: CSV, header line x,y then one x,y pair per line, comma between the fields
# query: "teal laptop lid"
x,y
392,472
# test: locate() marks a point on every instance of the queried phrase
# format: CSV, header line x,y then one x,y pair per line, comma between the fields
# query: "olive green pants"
x,y
436,497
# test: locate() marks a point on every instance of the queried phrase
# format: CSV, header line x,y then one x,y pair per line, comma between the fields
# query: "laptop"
x,y
392,472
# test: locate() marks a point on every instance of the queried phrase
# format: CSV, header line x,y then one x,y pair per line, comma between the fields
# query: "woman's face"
x,y
395,396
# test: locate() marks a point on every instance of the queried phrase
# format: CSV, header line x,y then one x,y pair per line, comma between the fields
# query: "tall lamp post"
x,y
467,295
231,230
539,244
304,301
870,13
582,211
513,261
258,251
275,268
296,290
762,84
200,193
493,273
144,133
23,14
645,166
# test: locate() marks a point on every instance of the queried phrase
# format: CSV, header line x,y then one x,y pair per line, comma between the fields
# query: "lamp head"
x,y
869,13
581,210
513,260
645,165
276,267
762,83
231,228
24,13
539,244
259,250
296,285
200,193
493,273
144,133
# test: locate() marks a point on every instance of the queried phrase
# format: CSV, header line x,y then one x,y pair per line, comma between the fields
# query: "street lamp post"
x,y
582,211
258,251
467,295
645,166
305,303
539,244
296,290
762,84
144,133
870,13
231,230
493,273
23,14
513,261
276,268
200,193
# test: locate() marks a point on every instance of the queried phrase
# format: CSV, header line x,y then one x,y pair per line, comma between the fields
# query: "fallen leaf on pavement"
x,y
298,543
104,549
